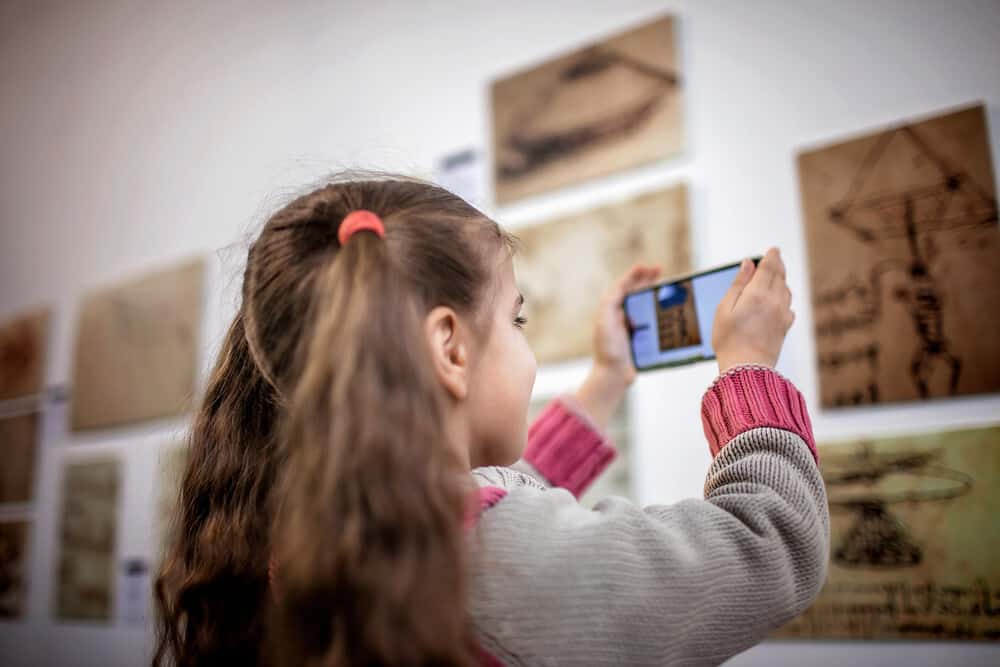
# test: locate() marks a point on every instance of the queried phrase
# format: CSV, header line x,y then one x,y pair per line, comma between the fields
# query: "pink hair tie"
x,y
356,221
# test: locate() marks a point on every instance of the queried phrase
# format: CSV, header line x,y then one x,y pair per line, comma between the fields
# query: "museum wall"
x,y
138,137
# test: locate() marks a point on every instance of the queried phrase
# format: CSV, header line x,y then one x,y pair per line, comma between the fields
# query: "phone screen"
x,y
671,323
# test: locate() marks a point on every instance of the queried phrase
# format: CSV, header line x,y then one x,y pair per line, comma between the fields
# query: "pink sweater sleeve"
x,y
748,397
566,447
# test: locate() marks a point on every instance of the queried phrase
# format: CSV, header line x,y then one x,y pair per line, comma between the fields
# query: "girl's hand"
x,y
754,315
612,347
613,370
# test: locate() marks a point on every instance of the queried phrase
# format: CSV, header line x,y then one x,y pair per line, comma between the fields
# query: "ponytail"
x,y
368,535
320,445
213,578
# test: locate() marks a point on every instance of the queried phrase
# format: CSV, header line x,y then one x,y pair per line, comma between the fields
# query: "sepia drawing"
x,y
13,568
136,349
87,533
905,262
564,266
18,451
913,539
22,354
601,109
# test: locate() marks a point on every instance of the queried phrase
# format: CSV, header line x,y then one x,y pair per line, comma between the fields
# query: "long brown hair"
x,y
319,444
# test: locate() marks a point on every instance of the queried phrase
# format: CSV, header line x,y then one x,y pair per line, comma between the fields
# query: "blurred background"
x,y
144,142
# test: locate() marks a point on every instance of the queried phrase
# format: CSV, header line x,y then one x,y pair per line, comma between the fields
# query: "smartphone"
x,y
670,323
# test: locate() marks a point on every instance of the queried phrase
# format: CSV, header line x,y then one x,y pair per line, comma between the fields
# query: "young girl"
x,y
346,500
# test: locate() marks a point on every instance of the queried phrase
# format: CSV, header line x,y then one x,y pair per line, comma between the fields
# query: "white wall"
x,y
136,134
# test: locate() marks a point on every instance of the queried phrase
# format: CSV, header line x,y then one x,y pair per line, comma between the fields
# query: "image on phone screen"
x,y
671,323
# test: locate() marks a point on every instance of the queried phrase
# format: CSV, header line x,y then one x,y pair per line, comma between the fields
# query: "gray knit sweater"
x,y
692,583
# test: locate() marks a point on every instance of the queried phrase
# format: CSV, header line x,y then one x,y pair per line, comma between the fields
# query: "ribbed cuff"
x,y
565,446
748,397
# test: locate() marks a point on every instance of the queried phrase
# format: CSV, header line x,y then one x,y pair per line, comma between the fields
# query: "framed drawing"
x,y
13,568
913,539
137,349
564,266
18,451
607,107
904,256
88,530
22,354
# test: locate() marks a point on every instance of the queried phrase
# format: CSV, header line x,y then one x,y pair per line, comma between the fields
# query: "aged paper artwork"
x,y
87,534
136,349
904,253
22,354
564,266
610,106
13,568
914,539
18,451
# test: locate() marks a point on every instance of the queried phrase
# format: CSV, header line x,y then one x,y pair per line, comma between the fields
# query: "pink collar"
x,y
482,499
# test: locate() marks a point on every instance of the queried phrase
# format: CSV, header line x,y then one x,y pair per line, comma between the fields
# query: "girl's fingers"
x,y
779,268
746,273
769,270
638,276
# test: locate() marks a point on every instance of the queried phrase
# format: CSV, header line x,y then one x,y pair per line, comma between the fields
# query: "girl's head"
x,y
354,389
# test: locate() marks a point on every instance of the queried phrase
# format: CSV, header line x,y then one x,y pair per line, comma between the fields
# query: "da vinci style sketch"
x,y
22,352
87,533
904,255
607,107
13,568
136,349
18,452
913,539
564,266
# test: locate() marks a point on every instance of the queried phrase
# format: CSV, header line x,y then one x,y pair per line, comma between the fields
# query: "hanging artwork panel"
x,y
609,106
904,262
564,266
914,539
136,349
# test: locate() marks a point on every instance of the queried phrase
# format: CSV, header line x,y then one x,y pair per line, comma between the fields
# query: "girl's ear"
x,y
449,351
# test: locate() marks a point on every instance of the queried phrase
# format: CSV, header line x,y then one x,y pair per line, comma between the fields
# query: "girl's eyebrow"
x,y
518,302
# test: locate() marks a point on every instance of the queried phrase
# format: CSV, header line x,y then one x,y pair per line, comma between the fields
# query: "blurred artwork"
x,y
13,568
616,480
676,316
914,539
601,109
22,354
18,450
87,534
136,349
172,461
565,266
904,250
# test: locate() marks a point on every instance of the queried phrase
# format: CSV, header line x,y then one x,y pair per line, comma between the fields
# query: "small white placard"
x,y
461,172
135,591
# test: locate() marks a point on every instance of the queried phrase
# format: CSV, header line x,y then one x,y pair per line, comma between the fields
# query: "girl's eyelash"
x,y
520,321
